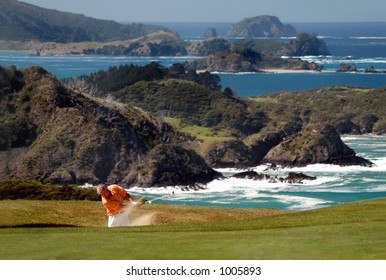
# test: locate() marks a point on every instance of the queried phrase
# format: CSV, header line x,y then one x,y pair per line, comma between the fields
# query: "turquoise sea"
x,y
361,43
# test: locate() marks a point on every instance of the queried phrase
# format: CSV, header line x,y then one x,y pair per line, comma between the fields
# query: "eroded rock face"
x,y
169,164
229,154
77,139
262,146
310,146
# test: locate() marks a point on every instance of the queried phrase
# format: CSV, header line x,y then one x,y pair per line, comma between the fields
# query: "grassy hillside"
x,y
22,21
197,99
350,231
344,107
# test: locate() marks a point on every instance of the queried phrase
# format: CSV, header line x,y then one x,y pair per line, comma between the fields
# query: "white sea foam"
x,y
222,193
380,188
87,185
299,202
326,60
232,191
369,38
332,169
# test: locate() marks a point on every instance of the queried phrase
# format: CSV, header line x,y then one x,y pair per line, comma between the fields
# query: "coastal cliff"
x,y
311,146
168,126
52,132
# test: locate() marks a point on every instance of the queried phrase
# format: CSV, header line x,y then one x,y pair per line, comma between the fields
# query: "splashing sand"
x,y
138,219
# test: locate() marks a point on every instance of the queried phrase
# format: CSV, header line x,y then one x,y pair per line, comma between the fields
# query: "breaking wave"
x,y
334,184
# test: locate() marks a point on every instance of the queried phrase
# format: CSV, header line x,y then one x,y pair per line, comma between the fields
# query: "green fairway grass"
x,y
349,231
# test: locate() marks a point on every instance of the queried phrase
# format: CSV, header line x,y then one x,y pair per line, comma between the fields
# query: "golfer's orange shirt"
x,y
115,203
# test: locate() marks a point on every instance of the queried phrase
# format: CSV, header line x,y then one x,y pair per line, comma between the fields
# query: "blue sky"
x,y
223,10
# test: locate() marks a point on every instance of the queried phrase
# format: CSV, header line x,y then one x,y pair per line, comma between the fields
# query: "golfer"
x,y
113,197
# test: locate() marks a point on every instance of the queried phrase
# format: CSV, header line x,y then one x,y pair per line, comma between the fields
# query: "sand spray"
x,y
136,219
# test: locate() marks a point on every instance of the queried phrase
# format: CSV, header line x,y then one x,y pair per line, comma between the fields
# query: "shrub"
x,y
39,190
15,133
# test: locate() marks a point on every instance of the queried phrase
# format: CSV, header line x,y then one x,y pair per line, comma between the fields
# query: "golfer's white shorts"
x,y
120,219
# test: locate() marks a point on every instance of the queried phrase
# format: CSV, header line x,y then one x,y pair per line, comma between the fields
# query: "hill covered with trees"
x,y
230,130
23,21
153,126
26,27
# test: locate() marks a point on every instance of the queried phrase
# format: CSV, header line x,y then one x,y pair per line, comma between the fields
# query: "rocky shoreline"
x,y
92,139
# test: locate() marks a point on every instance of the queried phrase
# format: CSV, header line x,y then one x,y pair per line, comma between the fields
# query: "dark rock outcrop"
x,y
210,33
292,178
306,44
262,146
229,154
298,178
314,146
252,175
344,67
346,126
171,165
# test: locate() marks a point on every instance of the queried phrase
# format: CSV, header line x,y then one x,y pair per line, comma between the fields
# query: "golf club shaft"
x,y
160,197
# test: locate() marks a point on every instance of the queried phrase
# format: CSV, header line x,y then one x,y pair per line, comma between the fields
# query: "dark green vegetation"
x,y
346,232
38,190
22,21
15,131
349,109
116,78
196,98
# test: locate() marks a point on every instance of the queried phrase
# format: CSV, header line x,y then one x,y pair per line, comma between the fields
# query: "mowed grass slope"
x,y
349,231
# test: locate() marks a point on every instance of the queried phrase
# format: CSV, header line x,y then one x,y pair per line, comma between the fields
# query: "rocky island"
x,y
73,34
261,26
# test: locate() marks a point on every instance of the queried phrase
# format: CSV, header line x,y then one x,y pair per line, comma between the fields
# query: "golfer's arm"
x,y
128,197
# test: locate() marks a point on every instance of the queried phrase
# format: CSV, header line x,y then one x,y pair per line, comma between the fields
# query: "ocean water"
x,y
73,66
334,184
245,84
361,43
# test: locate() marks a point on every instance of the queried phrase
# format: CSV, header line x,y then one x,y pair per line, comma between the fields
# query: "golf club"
x,y
157,198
